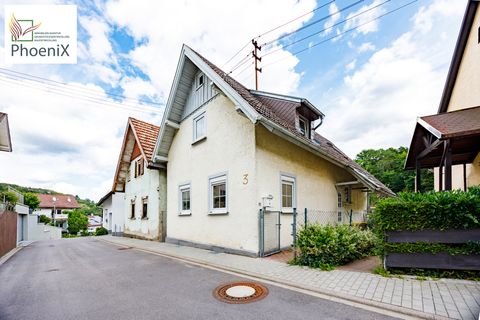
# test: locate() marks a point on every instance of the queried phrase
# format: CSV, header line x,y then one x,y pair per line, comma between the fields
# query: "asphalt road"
x,y
88,279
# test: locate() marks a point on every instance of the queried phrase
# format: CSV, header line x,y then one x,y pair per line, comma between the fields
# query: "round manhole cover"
x,y
240,292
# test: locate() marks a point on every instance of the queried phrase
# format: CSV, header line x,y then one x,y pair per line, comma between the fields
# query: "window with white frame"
x,y
218,194
304,126
348,194
199,81
288,193
339,207
199,127
145,208
185,199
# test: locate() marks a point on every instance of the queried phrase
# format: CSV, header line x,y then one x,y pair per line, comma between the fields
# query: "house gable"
x,y
463,77
250,104
139,140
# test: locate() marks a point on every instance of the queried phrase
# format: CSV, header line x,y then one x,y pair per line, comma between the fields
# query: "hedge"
x,y
328,246
429,211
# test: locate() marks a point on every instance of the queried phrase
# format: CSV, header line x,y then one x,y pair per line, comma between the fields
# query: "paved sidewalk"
x,y
446,298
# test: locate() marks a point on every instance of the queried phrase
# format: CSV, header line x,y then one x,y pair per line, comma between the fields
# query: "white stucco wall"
x,y
38,231
465,93
146,185
229,148
315,179
114,207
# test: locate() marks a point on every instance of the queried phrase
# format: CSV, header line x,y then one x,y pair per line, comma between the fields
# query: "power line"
x,y
344,32
240,63
71,94
295,19
26,76
276,28
313,22
245,69
325,29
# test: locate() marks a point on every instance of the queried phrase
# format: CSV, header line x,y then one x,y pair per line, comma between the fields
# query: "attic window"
x,y
139,167
304,126
200,80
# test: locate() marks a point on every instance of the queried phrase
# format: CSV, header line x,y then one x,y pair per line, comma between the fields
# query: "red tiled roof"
x,y
60,201
147,135
451,124
282,113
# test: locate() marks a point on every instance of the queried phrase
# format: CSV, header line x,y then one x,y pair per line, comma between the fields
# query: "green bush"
x,y
44,219
432,210
328,246
101,231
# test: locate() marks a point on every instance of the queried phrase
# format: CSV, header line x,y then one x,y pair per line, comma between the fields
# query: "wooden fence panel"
x,y
8,231
433,261
434,236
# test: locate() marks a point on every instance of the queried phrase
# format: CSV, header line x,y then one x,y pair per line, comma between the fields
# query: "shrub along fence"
x,y
431,231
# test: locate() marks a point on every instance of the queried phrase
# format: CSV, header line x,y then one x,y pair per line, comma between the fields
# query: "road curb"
x,y
375,304
10,254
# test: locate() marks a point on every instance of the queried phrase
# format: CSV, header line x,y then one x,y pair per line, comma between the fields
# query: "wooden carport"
x,y
444,140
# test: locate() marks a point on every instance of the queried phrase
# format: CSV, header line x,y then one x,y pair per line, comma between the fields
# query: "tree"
x,y
31,200
9,198
387,165
77,221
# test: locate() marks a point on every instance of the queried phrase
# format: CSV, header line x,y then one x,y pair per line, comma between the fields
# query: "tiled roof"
x,y
451,124
60,201
147,135
282,113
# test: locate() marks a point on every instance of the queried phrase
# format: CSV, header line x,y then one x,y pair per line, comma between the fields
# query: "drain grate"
x,y
240,292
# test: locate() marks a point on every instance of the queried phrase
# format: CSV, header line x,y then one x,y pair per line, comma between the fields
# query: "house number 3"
x,y
245,178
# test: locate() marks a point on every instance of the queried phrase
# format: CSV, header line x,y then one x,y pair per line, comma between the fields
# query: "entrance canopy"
x,y
445,139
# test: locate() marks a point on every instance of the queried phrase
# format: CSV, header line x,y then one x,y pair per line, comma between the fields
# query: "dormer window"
x,y
304,126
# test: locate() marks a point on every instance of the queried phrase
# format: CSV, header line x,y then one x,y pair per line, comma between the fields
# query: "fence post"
x,y
351,213
294,234
260,233
305,218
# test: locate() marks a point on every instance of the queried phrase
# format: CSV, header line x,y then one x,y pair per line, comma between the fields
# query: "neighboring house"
x,y
112,205
230,152
142,181
449,140
5,140
53,205
94,222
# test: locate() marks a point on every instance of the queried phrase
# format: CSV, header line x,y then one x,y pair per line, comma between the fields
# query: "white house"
x,y
230,152
54,205
142,181
112,205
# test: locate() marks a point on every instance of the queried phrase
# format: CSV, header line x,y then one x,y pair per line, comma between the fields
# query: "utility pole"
x,y
256,48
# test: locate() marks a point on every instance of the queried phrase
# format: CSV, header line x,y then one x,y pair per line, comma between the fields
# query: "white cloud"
x,y
214,28
335,16
360,19
378,104
351,65
366,46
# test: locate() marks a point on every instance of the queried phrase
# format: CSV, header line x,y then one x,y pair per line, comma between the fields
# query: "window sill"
x,y
218,212
185,213
199,140
287,210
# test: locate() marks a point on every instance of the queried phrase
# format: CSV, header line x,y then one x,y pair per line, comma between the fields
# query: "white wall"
x,y
229,148
136,189
315,179
38,231
114,207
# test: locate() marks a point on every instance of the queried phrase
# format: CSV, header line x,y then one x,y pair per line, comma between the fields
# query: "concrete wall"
x,y
35,231
146,185
465,92
114,213
229,148
315,179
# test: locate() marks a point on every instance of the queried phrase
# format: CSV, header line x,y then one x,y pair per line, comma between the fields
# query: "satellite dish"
x,y
54,199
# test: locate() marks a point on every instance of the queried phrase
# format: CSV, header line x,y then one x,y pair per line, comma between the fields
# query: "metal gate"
x,y
269,232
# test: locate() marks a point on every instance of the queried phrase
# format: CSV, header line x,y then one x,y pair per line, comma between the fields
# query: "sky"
x,y
371,66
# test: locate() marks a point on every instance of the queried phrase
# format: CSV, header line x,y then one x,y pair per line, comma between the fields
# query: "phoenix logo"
x,y
16,28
